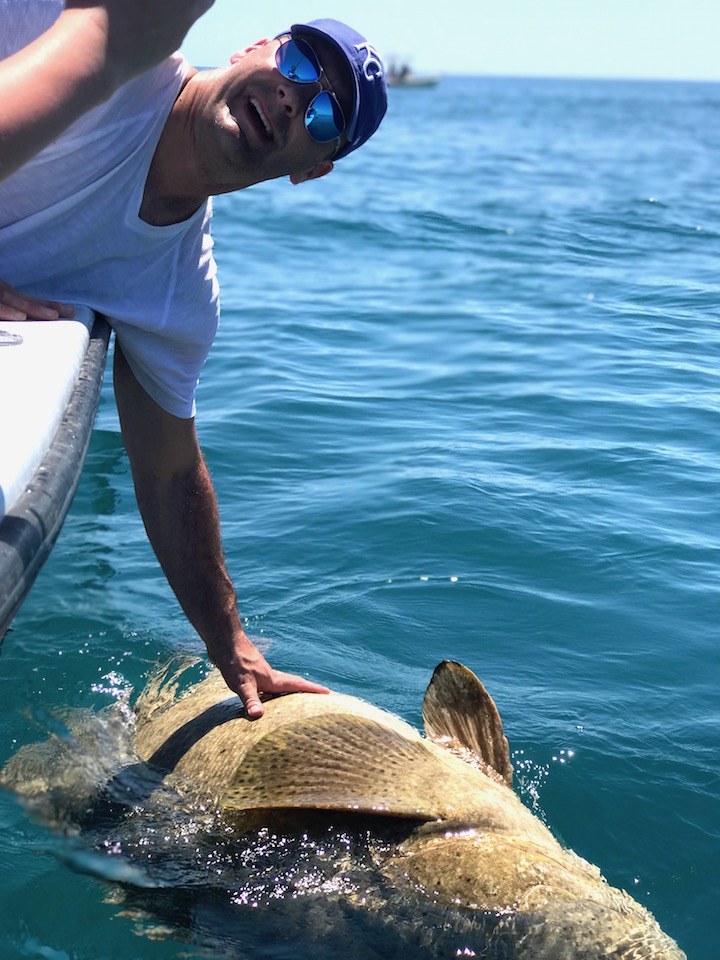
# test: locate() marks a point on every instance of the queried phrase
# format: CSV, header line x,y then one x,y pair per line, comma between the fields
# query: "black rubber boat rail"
x,y
28,531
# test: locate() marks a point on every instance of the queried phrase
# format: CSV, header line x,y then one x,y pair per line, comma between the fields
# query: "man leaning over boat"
x,y
106,169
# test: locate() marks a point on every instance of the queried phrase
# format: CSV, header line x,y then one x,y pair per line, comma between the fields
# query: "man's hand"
x,y
19,306
248,674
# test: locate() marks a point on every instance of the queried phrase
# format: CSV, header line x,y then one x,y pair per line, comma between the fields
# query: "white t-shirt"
x,y
70,229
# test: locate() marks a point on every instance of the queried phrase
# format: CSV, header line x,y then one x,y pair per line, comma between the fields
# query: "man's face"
x,y
248,120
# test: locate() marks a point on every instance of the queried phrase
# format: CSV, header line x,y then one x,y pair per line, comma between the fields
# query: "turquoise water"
x,y
463,404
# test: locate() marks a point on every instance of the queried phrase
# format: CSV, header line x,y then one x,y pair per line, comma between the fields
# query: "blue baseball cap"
x,y
368,73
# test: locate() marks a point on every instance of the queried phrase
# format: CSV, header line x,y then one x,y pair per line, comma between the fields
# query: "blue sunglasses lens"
x,y
324,119
296,61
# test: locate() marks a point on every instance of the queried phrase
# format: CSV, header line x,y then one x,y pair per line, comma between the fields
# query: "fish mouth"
x,y
259,120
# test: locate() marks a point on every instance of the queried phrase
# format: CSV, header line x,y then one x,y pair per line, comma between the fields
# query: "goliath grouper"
x,y
463,842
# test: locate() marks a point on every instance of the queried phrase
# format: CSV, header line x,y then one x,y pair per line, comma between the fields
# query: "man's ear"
x,y
241,53
319,170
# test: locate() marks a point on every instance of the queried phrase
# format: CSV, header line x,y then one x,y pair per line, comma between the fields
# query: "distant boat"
x,y
404,77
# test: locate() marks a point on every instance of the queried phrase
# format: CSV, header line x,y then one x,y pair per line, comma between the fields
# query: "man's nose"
x,y
295,97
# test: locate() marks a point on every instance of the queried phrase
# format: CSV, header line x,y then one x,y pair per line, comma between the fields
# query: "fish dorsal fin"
x,y
341,762
458,712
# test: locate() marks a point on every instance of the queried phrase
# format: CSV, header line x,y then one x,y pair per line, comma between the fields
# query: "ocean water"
x,y
464,403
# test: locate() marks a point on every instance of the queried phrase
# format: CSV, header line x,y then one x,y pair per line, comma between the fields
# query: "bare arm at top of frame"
x,y
91,50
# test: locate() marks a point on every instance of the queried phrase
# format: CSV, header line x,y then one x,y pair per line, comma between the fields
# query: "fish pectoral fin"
x,y
459,712
340,762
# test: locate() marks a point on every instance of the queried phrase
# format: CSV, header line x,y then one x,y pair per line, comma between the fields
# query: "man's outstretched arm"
x,y
179,509
93,48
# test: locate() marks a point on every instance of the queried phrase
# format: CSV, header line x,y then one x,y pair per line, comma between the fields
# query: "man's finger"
x,y
292,683
254,708
9,313
248,693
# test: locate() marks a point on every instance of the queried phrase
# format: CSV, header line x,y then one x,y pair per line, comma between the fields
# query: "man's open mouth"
x,y
260,120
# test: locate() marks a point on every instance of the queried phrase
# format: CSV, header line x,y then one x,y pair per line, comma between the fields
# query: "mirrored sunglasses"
x,y
324,119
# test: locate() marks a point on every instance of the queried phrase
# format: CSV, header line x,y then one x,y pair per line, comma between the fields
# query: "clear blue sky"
x,y
674,39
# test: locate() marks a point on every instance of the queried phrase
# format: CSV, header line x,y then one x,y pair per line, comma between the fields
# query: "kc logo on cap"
x,y
372,65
